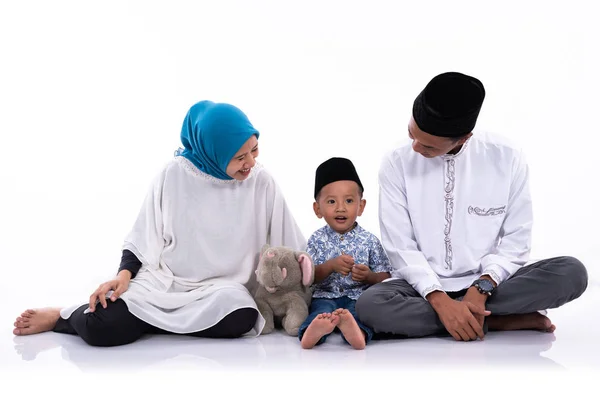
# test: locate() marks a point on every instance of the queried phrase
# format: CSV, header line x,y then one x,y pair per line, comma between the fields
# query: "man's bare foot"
x,y
36,321
531,321
322,325
350,329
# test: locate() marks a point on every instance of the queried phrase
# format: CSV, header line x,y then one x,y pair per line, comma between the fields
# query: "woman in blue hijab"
x,y
212,134
188,262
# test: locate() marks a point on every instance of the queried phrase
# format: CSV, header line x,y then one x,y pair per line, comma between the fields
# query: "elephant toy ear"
x,y
262,250
307,269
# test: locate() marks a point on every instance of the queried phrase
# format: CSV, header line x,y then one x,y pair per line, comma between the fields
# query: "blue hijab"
x,y
211,135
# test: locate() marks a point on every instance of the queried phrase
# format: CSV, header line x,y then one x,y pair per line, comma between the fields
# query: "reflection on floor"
x,y
571,347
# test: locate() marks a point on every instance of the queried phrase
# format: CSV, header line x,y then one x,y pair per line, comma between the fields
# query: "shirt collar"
x,y
461,151
351,233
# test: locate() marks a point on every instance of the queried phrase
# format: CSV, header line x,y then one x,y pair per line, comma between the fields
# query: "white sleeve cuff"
x,y
430,289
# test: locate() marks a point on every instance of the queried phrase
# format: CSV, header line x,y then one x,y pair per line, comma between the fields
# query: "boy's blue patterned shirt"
x,y
325,244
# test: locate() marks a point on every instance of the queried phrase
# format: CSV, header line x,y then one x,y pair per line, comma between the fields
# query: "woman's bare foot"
x,y
531,321
29,347
36,321
322,325
350,329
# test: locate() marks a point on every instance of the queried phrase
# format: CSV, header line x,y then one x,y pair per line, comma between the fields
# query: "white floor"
x,y
575,346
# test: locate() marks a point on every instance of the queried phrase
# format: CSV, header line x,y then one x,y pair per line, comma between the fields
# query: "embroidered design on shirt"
x,y
449,200
482,212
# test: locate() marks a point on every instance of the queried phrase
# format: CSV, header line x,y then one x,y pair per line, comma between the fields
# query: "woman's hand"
x,y
118,286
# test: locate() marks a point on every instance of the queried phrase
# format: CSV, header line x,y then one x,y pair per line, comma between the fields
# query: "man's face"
x,y
430,146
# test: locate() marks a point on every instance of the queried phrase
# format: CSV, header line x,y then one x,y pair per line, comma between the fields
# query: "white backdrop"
x,y
93,94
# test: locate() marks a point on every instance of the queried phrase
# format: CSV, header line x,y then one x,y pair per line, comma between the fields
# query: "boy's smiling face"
x,y
340,203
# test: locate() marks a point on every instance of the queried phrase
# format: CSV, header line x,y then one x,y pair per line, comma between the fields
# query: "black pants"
x,y
115,325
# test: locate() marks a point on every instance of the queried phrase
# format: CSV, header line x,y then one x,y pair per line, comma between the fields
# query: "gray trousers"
x,y
395,309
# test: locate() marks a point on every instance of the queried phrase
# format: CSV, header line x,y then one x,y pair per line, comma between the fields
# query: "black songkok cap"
x,y
333,170
449,105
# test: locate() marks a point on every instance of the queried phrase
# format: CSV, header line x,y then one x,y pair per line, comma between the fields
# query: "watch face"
x,y
485,285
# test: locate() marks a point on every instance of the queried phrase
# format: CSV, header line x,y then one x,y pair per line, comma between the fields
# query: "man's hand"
x,y
474,297
458,317
361,273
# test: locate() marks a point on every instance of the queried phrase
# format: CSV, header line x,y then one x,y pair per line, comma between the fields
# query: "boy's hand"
x,y
360,273
343,264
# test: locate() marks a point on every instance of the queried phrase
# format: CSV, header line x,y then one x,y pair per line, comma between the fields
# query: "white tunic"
x,y
198,238
447,220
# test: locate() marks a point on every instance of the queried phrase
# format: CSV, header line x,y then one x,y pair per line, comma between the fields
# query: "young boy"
x,y
347,258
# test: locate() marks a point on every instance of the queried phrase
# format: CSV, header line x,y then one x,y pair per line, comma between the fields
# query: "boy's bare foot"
x,y
36,321
350,329
531,321
322,325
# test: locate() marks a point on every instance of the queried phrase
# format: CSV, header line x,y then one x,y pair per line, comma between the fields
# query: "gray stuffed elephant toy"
x,y
283,295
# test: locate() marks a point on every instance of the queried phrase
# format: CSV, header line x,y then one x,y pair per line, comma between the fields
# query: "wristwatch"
x,y
484,286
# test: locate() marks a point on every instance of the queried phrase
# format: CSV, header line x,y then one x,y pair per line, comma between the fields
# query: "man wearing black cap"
x,y
456,217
